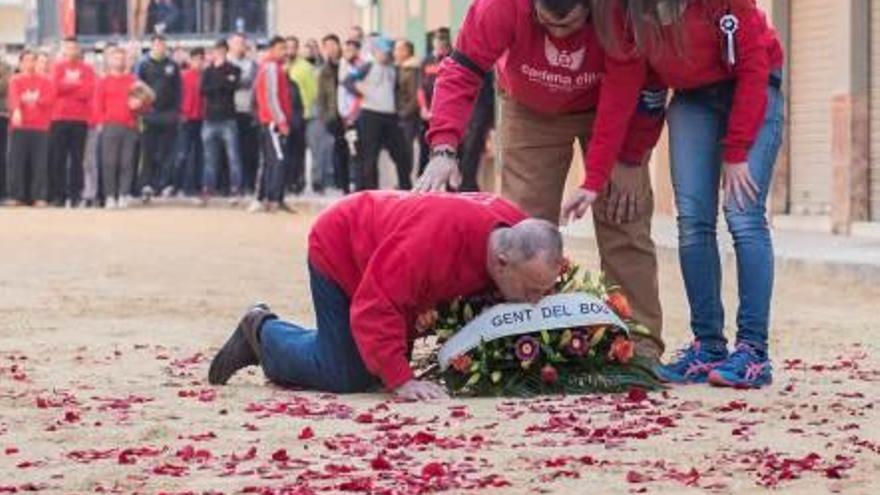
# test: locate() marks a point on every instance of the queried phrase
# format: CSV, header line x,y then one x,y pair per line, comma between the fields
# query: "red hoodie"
x,y
192,105
274,105
548,75
111,100
758,53
34,95
74,87
398,255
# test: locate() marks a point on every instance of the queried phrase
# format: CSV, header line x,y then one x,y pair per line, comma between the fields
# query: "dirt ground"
x,y
108,321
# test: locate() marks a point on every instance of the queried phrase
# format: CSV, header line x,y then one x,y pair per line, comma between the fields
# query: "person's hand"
x,y
441,170
283,129
135,103
622,194
576,206
420,390
425,114
739,185
426,321
16,117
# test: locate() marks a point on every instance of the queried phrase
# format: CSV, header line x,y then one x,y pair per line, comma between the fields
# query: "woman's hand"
x,y
739,185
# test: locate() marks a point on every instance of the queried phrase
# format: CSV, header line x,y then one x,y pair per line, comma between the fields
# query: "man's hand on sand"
x,y
420,390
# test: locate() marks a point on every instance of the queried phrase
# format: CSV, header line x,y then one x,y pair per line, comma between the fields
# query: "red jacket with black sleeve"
x,y
398,255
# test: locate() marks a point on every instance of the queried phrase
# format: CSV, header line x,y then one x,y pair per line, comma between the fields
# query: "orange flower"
x,y
462,363
622,350
620,304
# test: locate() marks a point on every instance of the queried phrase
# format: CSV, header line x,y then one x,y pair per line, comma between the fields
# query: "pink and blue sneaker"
x,y
691,365
745,368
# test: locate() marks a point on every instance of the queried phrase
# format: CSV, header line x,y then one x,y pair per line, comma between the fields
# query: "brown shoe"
x,y
243,347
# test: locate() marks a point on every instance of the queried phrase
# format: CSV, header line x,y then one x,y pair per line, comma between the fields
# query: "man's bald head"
x,y
524,260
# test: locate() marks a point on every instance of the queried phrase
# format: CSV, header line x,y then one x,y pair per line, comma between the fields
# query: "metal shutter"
x,y
811,55
874,177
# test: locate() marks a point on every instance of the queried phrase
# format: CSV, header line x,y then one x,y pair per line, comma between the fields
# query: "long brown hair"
x,y
644,28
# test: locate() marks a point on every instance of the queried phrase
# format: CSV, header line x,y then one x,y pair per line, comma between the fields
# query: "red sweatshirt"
x,y
398,255
546,74
758,53
111,100
274,105
74,88
35,97
192,105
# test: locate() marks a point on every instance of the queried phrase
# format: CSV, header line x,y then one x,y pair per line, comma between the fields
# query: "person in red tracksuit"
x,y
372,289
74,82
549,65
120,99
189,159
724,62
31,99
274,111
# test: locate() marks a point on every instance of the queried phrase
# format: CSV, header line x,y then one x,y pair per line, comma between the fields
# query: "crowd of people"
x,y
235,120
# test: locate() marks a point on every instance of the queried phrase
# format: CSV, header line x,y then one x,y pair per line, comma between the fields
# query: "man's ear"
x,y
503,260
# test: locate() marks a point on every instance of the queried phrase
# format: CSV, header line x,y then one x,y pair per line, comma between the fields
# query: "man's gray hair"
x,y
531,238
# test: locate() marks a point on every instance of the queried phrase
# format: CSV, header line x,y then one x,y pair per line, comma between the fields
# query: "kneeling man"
x,y
377,261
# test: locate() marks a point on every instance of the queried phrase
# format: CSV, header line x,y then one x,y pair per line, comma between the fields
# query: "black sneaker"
x,y
243,347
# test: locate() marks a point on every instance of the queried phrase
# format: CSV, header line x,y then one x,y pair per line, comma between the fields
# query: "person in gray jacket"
x,y
248,130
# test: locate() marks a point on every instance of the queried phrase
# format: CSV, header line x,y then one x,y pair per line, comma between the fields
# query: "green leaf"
x,y
473,380
566,339
545,337
639,329
496,376
468,313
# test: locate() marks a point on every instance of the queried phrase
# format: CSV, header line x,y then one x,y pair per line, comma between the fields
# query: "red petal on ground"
x,y
637,394
306,433
71,416
364,418
11,450
433,470
380,463
280,455
635,477
357,485
170,470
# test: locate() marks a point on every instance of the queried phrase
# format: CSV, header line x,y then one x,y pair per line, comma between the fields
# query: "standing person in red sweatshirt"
x,y
190,160
119,100
74,82
725,127
31,99
549,64
369,288
274,110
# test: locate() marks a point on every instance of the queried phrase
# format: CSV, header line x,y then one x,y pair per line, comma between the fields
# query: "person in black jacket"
x,y
219,83
162,75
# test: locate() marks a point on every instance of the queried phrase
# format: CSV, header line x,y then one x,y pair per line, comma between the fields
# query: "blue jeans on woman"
x,y
324,359
697,124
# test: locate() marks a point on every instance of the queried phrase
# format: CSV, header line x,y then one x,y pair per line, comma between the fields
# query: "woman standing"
x,y
725,127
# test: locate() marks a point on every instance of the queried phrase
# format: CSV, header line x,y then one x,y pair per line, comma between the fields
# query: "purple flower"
x,y
527,348
578,345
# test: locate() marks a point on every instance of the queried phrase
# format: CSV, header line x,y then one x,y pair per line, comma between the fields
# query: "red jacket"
x,y
398,255
274,105
111,100
74,88
35,97
192,104
546,74
758,53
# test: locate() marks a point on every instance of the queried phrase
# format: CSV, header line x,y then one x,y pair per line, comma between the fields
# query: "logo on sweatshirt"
x,y
563,58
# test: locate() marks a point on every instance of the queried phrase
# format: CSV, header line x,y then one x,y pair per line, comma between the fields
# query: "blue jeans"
x,y
325,359
214,135
188,162
697,124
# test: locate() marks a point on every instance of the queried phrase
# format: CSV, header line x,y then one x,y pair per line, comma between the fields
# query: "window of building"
x,y
206,16
101,17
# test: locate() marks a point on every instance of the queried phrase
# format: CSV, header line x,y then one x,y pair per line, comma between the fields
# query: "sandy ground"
x,y
108,320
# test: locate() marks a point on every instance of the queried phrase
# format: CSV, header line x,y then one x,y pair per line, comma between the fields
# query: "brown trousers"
x,y
536,151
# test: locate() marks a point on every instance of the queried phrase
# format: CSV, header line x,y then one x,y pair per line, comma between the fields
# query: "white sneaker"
x,y
68,204
111,204
124,201
168,191
255,207
147,194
